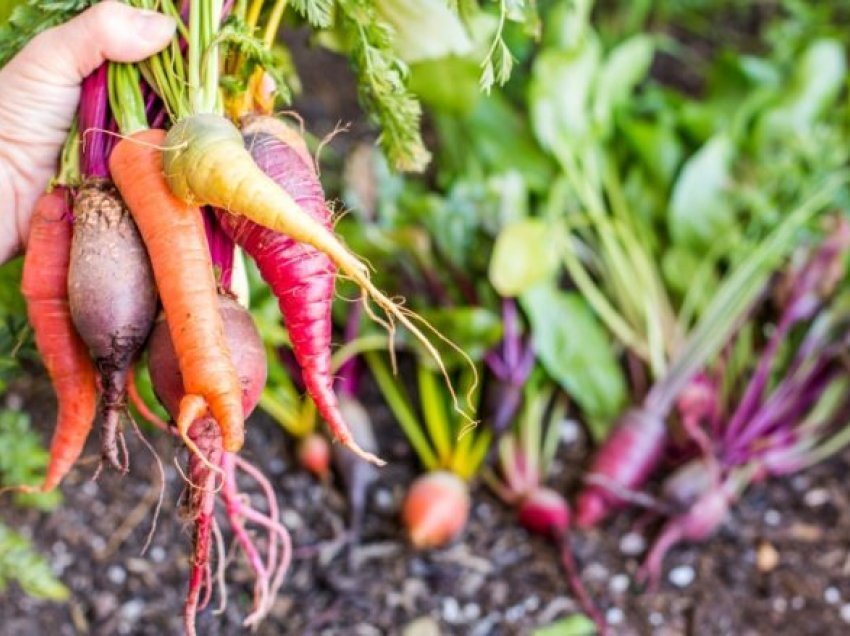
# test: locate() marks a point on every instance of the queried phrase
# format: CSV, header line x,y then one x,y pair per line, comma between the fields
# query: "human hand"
x,y
40,89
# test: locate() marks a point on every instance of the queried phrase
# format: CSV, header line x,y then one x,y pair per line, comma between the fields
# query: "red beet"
x,y
622,464
113,298
249,358
701,521
246,349
545,512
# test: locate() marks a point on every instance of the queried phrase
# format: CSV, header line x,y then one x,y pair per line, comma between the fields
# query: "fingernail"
x,y
152,25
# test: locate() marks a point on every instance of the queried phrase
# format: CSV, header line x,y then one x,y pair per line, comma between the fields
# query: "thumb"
x,y
107,31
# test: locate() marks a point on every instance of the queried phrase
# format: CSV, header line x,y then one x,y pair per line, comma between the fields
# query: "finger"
x,y
107,31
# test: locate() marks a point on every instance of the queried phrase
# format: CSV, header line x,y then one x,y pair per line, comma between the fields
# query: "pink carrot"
x,y
301,277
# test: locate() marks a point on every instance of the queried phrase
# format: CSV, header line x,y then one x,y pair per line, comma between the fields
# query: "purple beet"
x,y
621,465
113,299
246,349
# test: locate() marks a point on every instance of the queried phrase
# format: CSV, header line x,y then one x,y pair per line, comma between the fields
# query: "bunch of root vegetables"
x,y
132,251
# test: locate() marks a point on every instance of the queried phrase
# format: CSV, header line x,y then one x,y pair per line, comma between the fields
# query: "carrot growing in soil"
x,y
111,289
44,285
173,233
437,505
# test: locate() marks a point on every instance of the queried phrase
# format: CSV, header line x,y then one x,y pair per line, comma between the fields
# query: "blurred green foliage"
x,y
20,564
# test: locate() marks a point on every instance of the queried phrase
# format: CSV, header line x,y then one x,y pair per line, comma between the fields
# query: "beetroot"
x,y
622,464
208,463
113,299
544,512
246,349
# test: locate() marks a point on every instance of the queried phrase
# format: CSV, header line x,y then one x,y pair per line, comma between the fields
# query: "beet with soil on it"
x,y
113,299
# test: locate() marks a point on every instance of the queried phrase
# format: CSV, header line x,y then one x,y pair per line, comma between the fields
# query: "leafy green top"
x,y
33,17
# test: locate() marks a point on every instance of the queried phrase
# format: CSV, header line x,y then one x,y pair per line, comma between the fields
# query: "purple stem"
x,y
221,248
791,399
349,373
95,121
511,338
755,389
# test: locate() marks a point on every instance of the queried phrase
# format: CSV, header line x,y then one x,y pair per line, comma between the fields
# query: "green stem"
x,y
734,298
125,98
69,160
434,413
399,405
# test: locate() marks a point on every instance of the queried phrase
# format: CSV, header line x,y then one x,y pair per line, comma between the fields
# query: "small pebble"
x,y
772,517
780,604
682,576
291,519
276,466
451,610
531,603
569,431
816,497
614,616
656,619
798,603
595,572
484,511
14,402
131,611
471,612
89,488
513,614
619,583
831,595
383,499
157,554
845,612
116,574
632,544
767,558
423,626
801,483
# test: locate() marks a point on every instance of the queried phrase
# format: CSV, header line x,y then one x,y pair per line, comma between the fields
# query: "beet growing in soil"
x,y
494,580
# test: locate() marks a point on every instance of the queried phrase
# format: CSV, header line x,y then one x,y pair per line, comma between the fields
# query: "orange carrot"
x,y
173,233
45,287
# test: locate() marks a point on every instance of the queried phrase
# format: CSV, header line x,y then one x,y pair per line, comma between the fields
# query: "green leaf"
x,y
524,255
818,79
382,82
23,460
11,299
559,95
19,563
424,29
700,211
449,85
577,352
657,145
624,68
31,18
575,625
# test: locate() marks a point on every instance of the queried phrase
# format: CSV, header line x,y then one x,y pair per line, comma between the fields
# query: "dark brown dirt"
x,y
495,580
